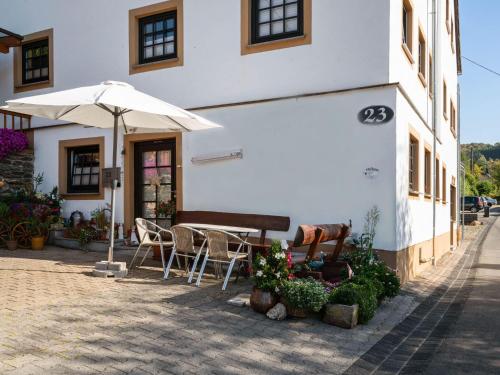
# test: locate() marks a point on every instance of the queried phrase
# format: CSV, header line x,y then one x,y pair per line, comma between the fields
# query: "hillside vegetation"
x,y
482,169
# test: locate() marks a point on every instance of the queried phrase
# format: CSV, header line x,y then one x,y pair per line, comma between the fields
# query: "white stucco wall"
x,y
91,45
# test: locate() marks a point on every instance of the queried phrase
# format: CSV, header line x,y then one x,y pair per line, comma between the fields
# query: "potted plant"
x,y
303,296
270,273
351,303
38,233
11,242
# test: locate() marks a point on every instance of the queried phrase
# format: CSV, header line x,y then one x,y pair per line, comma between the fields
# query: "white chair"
x,y
150,235
184,247
218,252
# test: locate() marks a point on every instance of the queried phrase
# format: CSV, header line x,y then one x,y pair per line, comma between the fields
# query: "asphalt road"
x,y
472,343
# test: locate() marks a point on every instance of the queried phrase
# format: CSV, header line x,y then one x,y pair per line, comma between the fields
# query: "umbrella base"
x,y
106,269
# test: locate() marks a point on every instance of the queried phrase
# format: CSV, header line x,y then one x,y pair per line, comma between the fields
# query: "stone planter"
x,y
11,244
341,315
262,301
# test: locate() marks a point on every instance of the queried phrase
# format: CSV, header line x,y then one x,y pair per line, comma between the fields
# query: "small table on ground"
x,y
242,232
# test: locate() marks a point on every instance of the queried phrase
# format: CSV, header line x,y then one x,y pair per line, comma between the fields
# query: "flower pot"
x,y
37,242
341,315
293,311
11,244
262,301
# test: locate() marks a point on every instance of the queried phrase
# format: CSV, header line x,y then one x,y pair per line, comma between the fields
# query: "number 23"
x,y
371,117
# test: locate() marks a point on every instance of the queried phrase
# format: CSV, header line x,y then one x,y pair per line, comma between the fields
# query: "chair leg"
x,y
135,256
145,255
200,275
193,268
162,260
170,260
228,275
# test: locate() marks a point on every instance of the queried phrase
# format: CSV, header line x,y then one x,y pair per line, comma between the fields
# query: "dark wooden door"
x,y
154,179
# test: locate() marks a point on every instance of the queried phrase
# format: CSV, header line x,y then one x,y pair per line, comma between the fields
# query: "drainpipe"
x,y
437,58
460,168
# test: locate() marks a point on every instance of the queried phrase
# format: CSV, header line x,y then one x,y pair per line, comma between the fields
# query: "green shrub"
x,y
351,293
388,278
372,283
271,270
305,294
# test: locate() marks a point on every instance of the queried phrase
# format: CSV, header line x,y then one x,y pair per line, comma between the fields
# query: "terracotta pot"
x,y
262,301
294,311
37,242
11,244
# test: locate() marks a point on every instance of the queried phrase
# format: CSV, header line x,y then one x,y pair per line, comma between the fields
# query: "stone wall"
x,y
17,169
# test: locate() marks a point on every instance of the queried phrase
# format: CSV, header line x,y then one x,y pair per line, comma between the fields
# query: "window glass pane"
x,y
148,40
29,53
36,73
29,74
76,180
149,174
291,10
45,72
277,13
264,4
264,15
158,38
149,159
169,48
149,193
276,2
149,210
264,29
165,175
86,170
164,193
159,26
169,36
148,28
159,50
85,179
291,25
163,158
170,23
94,179
277,27
148,52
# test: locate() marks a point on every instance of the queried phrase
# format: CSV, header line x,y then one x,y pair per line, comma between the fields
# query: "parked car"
x,y
491,201
473,204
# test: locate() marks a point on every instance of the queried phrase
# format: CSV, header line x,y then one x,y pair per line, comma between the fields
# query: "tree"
x,y
485,188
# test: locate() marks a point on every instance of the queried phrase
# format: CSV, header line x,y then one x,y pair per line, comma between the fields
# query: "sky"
x,y
480,90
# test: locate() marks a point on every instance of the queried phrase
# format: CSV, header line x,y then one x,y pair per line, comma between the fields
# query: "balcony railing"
x,y
14,120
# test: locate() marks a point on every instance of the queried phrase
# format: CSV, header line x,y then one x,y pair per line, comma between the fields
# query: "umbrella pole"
x,y
113,188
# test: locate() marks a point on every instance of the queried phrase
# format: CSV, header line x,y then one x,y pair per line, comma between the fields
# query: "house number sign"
x,y
375,115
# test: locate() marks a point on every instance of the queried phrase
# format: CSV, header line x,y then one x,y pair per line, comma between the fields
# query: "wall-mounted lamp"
x,y
371,172
218,156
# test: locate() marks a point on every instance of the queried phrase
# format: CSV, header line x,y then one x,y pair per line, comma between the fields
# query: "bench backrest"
x,y
261,222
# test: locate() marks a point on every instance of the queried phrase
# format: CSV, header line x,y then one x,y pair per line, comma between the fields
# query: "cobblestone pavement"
x,y
57,319
410,346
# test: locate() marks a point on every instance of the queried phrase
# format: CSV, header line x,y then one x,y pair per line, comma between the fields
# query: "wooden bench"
x,y
263,223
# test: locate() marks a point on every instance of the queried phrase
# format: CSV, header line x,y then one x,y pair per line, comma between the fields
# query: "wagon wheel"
x,y
4,232
22,234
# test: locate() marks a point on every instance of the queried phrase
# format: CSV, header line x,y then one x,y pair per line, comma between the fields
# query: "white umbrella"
x,y
110,105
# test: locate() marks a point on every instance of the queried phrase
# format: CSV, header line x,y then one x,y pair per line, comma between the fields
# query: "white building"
x,y
288,93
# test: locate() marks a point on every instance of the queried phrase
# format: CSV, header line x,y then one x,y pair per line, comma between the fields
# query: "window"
x,y
80,163
445,101
438,181
276,19
407,29
444,185
273,24
413,165
422,53
36,61
156,36
448,11
431,78
33,62
453,201
427,173
452,37
83,169
453,118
